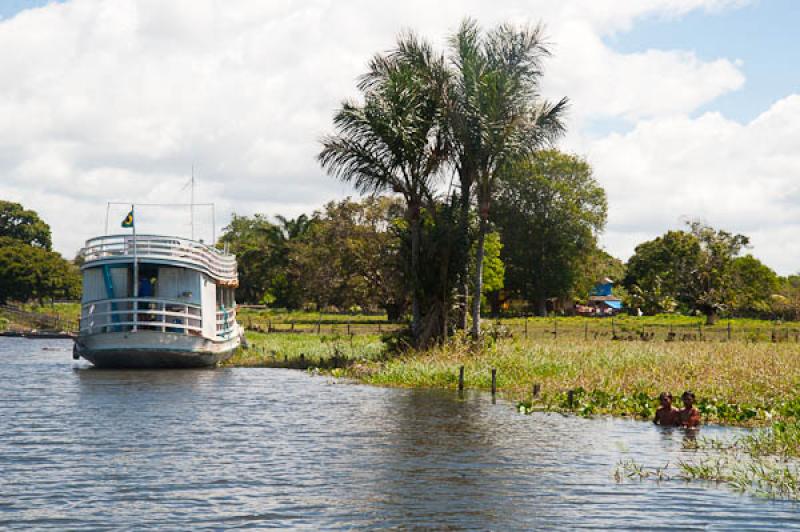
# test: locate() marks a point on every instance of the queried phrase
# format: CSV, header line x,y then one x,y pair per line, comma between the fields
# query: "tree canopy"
x,y
24,225
28,267
549,212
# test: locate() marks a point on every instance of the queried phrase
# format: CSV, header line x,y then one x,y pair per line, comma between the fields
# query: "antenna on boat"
x,y
191,202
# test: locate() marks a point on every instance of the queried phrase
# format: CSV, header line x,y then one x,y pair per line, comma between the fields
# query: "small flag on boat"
x,y
128,221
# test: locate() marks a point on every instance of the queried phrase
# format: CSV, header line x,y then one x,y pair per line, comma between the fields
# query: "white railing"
x,y
226,322
216,263
129,314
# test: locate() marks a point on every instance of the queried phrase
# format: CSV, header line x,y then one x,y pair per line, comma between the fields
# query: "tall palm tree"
x,y
394,141
496,116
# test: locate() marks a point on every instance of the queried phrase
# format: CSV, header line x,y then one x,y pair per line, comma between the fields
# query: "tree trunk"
x,y
711,317
541,307
463,292
415,242
478,284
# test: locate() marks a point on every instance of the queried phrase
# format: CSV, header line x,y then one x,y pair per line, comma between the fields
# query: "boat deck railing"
x,y
216,263
151,314
226,322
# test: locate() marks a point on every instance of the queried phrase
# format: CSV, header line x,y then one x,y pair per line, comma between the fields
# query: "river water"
x,y
248,448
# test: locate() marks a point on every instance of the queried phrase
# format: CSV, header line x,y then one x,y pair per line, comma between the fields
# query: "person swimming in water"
x,y
688,416
666,414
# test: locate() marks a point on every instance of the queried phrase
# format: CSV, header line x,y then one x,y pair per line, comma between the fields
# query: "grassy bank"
x,y
737,383
302,351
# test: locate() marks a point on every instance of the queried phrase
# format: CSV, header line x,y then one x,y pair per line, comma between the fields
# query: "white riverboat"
x,y
153,301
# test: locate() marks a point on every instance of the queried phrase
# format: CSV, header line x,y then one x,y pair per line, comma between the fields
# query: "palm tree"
x,y
496,116
292,228
394,141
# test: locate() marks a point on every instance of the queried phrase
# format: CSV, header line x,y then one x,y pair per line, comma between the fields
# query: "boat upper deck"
x,y
163,250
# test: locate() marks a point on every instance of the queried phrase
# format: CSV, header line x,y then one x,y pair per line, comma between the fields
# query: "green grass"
x,y
303,351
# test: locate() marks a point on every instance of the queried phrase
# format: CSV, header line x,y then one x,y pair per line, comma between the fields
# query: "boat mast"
x,y
191,202
135,272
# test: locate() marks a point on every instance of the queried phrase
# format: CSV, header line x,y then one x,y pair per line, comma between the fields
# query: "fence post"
x,y
494,381
571,398
348,326
613,329
536,389
526,326
729,330
586,330
555,328
700,330
461,379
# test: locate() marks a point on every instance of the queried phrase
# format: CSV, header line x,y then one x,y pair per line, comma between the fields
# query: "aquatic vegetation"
x,y
763,463
736,382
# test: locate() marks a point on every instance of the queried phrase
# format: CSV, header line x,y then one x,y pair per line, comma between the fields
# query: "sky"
x,y
685,109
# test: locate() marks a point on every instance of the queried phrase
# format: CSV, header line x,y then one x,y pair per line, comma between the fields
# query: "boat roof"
x,y
161,249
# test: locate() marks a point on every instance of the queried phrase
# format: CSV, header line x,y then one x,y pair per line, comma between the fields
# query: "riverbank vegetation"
x,y
737,383
764,463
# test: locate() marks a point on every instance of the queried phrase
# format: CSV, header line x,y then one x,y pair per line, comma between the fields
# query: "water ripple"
x,y
253,448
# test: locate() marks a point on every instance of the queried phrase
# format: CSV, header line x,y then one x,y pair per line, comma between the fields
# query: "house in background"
x,y
602,301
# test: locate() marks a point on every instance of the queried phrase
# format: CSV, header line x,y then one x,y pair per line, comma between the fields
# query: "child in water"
x,y
666,414
688,416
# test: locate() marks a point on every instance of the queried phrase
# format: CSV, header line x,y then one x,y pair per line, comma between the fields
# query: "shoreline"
x,y
737,383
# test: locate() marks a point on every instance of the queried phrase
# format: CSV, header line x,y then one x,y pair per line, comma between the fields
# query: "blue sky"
x,y
763,35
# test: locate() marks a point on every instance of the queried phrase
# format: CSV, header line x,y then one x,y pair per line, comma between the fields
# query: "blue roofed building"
x,y
602,301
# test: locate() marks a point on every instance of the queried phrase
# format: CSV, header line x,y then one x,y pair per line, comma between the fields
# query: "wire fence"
x,y
599,329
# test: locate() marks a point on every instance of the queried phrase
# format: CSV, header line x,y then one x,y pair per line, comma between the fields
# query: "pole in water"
x,y
494,381
461,379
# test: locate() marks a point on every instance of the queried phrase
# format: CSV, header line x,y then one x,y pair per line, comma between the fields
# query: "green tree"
x,y
712,284
494,271
349,257
20,224
754,285
261,257
394,141
694,268
28,272
496,115
549,211
660,270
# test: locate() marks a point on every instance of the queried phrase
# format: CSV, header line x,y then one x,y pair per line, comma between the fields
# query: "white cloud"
x,y
742,178
115,100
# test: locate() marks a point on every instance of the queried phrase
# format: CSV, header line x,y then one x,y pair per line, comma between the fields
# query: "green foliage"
x,y
549,210
349,257
23,225
694,268
495,114
28,272
754,284
28,269
395,141
260,251
494,270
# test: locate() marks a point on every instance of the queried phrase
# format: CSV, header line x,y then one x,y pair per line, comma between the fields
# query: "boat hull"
x,y
153,350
